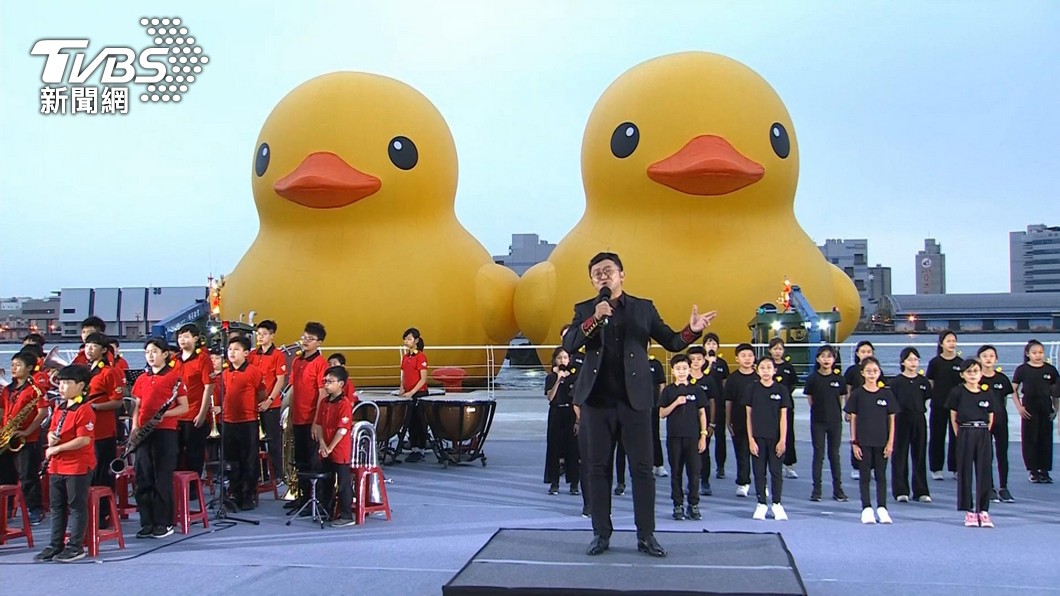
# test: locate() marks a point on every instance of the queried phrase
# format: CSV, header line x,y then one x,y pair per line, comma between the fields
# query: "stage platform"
x,y
551,562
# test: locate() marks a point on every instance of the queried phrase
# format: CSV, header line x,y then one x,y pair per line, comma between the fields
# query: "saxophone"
x,y
118,464
8,440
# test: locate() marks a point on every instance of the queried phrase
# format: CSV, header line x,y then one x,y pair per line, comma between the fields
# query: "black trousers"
x,y
685,462
27,465
605,425
789,448
704,466
270,424
191,446
620,460
154,464
106,451
974,458
583,468
872,460
910,449
1037,437
742,450
1000,434
306,456
68,499
561,442
418,422
8,474
767,458
939,428
241,449
326,488
720,432
656,439
826,438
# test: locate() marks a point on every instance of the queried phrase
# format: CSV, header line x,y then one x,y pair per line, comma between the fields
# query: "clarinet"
x,y
58,431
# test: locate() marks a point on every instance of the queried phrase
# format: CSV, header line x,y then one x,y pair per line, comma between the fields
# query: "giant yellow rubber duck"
x,y
689,163
354,178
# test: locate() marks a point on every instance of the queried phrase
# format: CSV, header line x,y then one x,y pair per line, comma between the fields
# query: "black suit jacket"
x,y
642,322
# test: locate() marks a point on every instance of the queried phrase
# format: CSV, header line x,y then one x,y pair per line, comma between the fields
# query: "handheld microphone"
x,y
605,295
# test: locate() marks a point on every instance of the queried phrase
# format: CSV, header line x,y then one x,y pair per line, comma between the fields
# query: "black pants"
x,y
306,456
270,424
685,462
106,451
767,458
620,459
789,446
720,448
974,458
742,450
826,437
326,488
604,425
154,464
656,439
583,468
910,449
418,422
1000,434
561,442
8,474
1037,437
241,449
27,465
872,460
191,446
68,498
704,466
939,428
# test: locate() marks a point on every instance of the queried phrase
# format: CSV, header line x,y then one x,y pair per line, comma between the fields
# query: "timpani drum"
x,y
393,422
458,426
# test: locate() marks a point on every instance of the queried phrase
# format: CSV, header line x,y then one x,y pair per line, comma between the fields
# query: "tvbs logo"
x,y
165,69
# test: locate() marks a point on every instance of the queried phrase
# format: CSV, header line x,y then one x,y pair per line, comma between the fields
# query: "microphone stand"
x,y
222,501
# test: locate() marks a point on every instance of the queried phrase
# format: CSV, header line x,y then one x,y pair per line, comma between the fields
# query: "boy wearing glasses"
x,y
333,427
307,391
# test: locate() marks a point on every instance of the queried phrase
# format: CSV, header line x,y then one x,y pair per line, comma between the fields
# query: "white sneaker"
x,y
661,472
885,518
953,475
855,474
902,498
778,512
789,472
924,499
867,517
938,475
742,490
760,512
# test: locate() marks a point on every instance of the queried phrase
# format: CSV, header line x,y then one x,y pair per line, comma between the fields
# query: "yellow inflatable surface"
x,y
354,178
690,164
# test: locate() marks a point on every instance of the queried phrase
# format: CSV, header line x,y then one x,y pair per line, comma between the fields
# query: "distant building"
x,y
525,251
851,255
879,284
973,312
931,269
128,312
1034,259
21,316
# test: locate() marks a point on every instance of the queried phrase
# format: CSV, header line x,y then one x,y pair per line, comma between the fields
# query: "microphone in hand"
x,y
605,295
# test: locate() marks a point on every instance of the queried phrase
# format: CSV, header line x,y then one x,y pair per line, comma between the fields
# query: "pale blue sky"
x,y
914,119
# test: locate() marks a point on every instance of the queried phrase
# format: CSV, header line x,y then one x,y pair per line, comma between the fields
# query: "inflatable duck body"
x,y
689,163
354,179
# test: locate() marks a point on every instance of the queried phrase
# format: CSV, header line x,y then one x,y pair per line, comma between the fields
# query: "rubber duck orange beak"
x,y
324,181
707,165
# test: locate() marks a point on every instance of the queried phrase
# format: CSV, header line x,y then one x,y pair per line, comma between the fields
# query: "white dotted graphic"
x,y
185,56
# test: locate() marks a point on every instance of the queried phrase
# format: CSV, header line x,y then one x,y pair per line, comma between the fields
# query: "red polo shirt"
x,y
336,414
153,389
120,363
411,365
240,399
307,378
349,392
80,421
16,398
195,374
81,358
107,384
272,363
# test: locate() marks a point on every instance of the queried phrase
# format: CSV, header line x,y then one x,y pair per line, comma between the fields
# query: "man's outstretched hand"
x,y
699,322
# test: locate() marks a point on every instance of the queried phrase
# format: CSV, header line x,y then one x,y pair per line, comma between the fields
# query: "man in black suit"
x,y
614,392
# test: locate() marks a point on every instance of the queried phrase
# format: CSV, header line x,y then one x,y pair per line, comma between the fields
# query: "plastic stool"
x,y
270,484
319,514
124,486
182,487
362,476
93,534
11,496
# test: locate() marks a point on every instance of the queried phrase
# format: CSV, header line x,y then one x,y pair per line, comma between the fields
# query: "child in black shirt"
x,y
767,403
1036,382
912,391
1000,384
972,406
735,415
717,369
872,408
852,376
824,392
787,377
943,371
562,433
683,405
700,376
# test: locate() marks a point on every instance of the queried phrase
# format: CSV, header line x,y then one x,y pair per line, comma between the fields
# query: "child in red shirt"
x,y
350,391
333,427
414,385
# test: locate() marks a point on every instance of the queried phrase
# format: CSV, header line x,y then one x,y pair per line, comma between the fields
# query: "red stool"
x,y
45,491
182,487
362,477
11,497
270,484
93,534
124,486
451,378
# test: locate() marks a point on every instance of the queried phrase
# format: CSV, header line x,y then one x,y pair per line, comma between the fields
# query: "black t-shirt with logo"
x,y
735,387
564,395
765,403
710,389
827,391
912,393
945,374
683,421
1039,382
873,409
719,370
786,374
972,406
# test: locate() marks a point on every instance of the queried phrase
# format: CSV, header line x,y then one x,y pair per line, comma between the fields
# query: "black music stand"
x,y
218,506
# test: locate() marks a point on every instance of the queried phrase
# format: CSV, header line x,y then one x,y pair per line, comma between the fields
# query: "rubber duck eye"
x,y
778,137
624,140
403,153
261,159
